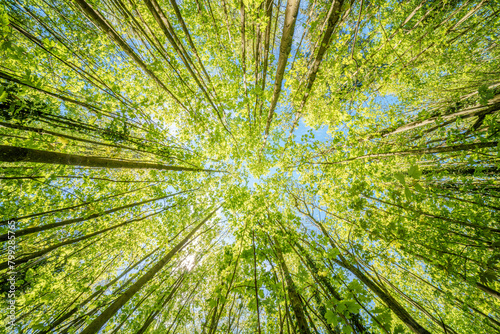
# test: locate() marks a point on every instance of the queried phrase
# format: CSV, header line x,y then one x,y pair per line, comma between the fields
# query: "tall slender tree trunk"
x,y
4,222
102,24
392,303
470,112
103,318
65,316
156,311
431,150
40,228
21,154
292,9
180,310
297,306
255,281
355,319
333,18
267,36
44,251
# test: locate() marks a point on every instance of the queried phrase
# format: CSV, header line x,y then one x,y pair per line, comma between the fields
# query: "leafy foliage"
x,y
250,166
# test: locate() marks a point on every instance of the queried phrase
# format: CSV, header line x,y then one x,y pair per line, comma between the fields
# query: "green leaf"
x,y
347,330
5,19
400,177
408,193
419,188
341,307
415,172
331,318
485,94
487,276
353,306
399,329
333,253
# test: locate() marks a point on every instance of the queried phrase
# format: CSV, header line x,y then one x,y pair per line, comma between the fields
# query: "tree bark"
x,y
292,9
64,317
40,228
103,318
21,154
96,18
292,292
392,303
432,150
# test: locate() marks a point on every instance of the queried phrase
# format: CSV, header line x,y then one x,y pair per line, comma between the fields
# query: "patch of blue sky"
x,y
320,134
252,181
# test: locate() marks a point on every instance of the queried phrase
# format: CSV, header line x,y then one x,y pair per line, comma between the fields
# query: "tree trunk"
x,y
431,150
20,154
292,9
4,222
44,251
101,320
101,23
155,312
355,319
63,318
255,281
392,303
470,112
292,292
40,228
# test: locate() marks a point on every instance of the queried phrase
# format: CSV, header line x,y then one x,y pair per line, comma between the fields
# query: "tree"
x,y
249,166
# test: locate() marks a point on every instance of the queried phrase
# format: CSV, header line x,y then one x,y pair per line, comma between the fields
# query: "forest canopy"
x,y
250,166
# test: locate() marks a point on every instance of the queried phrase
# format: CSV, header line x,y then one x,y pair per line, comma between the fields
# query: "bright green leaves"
x,y
488,276
31,78
399,329
4,25
400,177
3,94
415,172
383,315
356,287
358,187
340,311
348,306
211,302
408,194
418,187
485,94
331,318
332,253
372,105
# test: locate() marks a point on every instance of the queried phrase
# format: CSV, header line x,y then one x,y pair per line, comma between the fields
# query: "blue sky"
x,y
320,135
